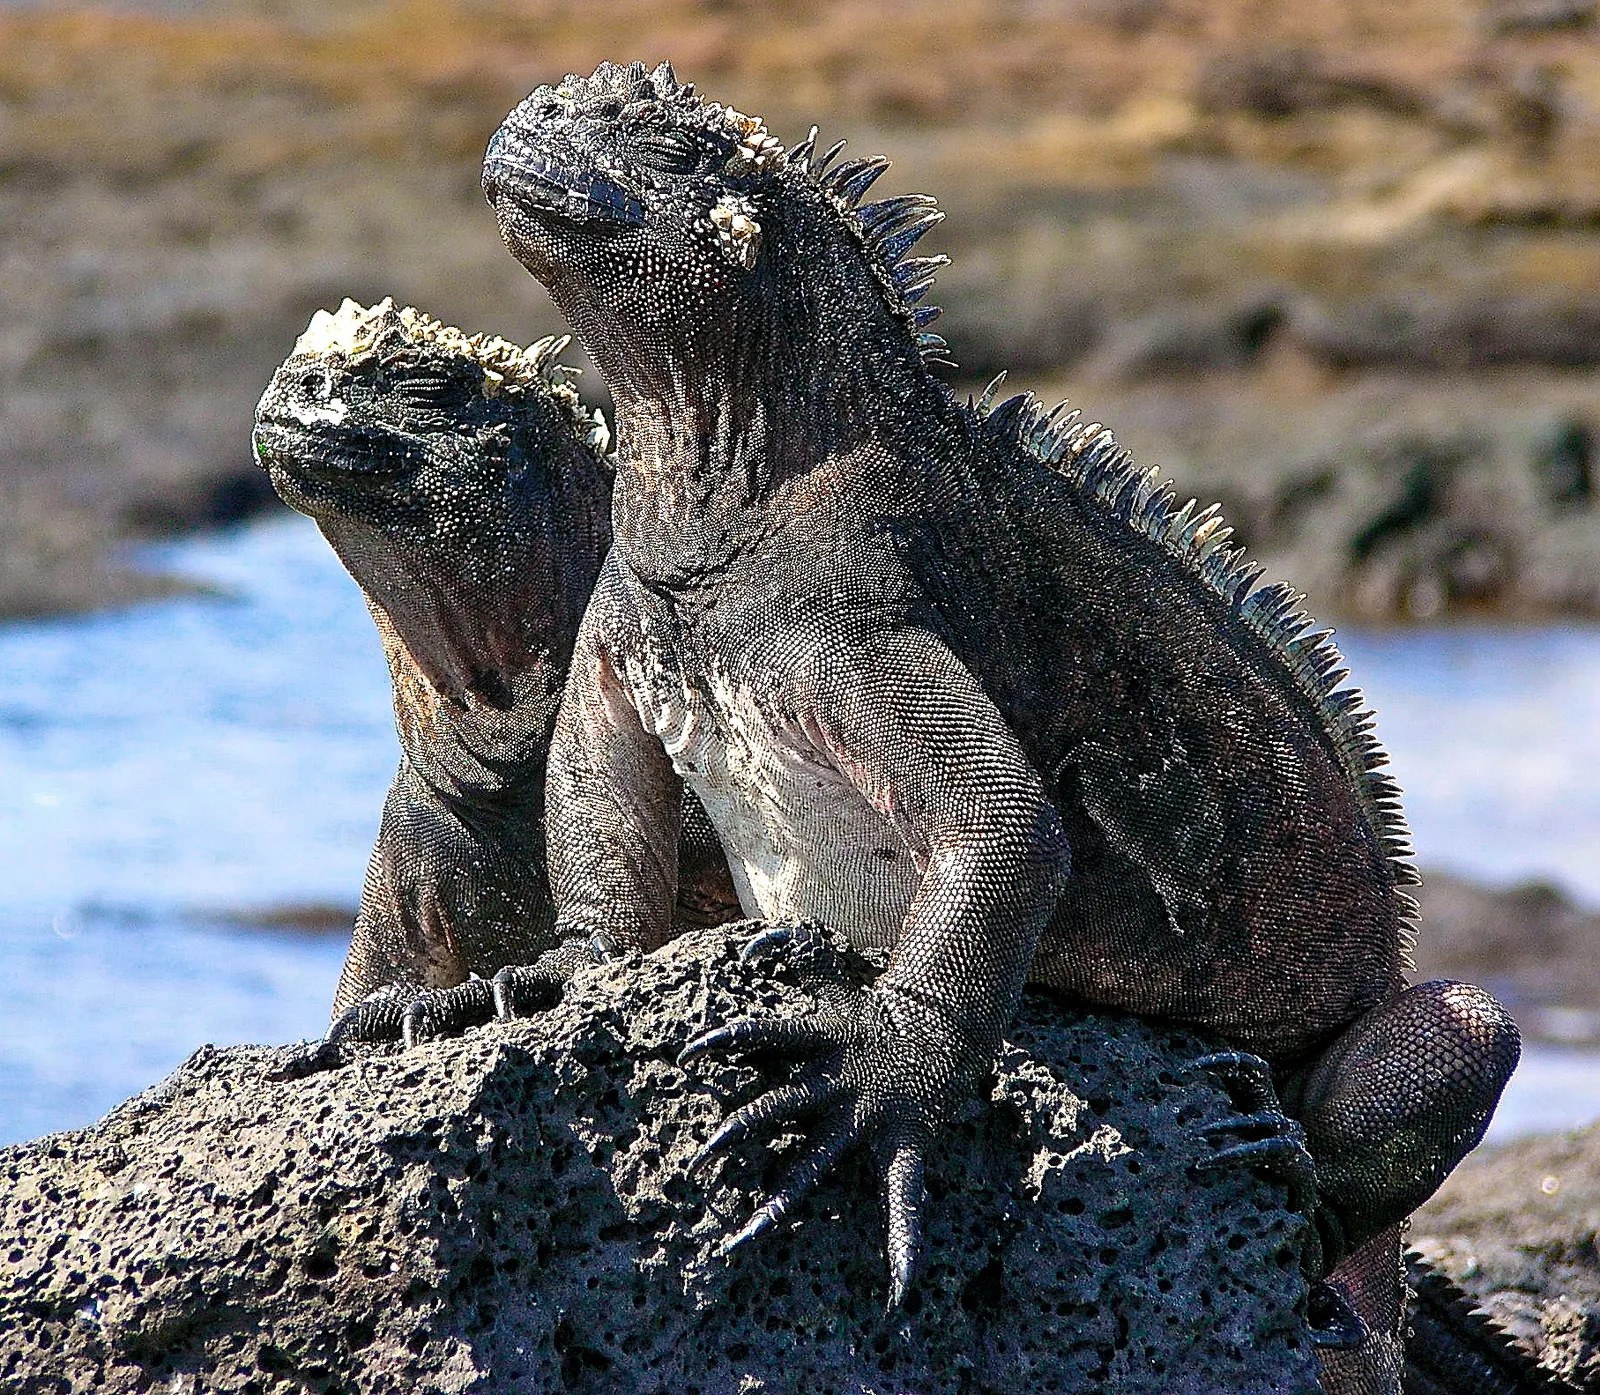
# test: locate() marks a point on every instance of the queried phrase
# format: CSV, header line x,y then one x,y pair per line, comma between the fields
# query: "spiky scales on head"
x,y
440,466
675,191
405,342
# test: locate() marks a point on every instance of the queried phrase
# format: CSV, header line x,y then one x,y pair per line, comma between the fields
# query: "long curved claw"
x,y
1268,1121
1333,1323
798,1183
789,1036
773,940
520,989
787,1102
902,1174
808,948
1281,1156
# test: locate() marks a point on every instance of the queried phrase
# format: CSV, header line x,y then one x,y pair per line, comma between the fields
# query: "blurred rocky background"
x,y
1337,265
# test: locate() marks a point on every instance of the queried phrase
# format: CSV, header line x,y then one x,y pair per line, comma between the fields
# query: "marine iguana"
x,y
464,486
960,680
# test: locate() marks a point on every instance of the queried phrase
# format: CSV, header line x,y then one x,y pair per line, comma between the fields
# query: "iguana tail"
x,y
1455,1349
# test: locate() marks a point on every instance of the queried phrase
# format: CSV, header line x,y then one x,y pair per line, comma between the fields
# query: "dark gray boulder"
x,y
511,1212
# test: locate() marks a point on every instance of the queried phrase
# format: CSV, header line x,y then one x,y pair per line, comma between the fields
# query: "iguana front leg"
x,y
905,724
613,809
614,812
613,794
450,892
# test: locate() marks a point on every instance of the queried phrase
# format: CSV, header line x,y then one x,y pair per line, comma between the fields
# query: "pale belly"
x,y
801,841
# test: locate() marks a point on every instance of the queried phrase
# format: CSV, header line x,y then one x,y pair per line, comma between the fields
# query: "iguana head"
x,y
459,479
662,222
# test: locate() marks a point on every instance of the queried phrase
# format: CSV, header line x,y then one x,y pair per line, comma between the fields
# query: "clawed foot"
x,y
398,1015
1274,1145
1270,1141
870,1074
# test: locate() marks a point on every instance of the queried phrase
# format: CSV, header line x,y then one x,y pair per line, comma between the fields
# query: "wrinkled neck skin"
x,y
481,760
730,434
478,647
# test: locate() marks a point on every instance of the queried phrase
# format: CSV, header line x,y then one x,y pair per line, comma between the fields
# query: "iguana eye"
x,y
671,152
424,389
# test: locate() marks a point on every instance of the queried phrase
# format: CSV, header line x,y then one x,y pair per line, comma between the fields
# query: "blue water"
x,y
165,767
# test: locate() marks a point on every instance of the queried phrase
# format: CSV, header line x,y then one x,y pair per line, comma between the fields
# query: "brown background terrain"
x,y
1336,264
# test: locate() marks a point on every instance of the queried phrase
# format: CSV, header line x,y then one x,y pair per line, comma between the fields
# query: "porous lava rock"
x,y
513,1211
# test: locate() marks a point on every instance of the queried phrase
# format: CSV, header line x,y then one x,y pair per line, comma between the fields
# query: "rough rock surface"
x,y
512,1211
1518,1227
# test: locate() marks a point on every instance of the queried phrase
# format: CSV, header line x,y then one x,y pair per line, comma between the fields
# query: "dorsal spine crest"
x,y
1088,456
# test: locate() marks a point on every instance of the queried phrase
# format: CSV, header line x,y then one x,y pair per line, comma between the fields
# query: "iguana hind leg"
x,y
1398,1100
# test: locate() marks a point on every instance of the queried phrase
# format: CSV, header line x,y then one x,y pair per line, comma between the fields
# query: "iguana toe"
x,y
903,1192
800,1179
1281,1155
812,951
446,1012
783,1105
1271,1142
373,1019
788,1036
376,1018
1246,1077
520,990
1274,1145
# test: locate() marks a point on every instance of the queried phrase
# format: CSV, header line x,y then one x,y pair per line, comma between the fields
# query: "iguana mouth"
x,y
286,450
537,183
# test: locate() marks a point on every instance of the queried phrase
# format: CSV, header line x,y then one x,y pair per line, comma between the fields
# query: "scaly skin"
x,y
961,682
464,487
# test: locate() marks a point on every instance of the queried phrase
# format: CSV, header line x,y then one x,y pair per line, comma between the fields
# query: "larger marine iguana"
x,y
963,682
464,486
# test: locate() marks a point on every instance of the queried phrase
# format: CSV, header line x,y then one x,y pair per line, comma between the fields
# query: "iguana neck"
x,y
725,437
474,753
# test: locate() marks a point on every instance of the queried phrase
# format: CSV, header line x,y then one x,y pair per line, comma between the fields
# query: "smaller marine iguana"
x,y
464,486
962,682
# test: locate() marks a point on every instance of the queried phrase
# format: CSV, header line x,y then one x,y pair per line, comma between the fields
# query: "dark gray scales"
x,y
960,681
465,488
